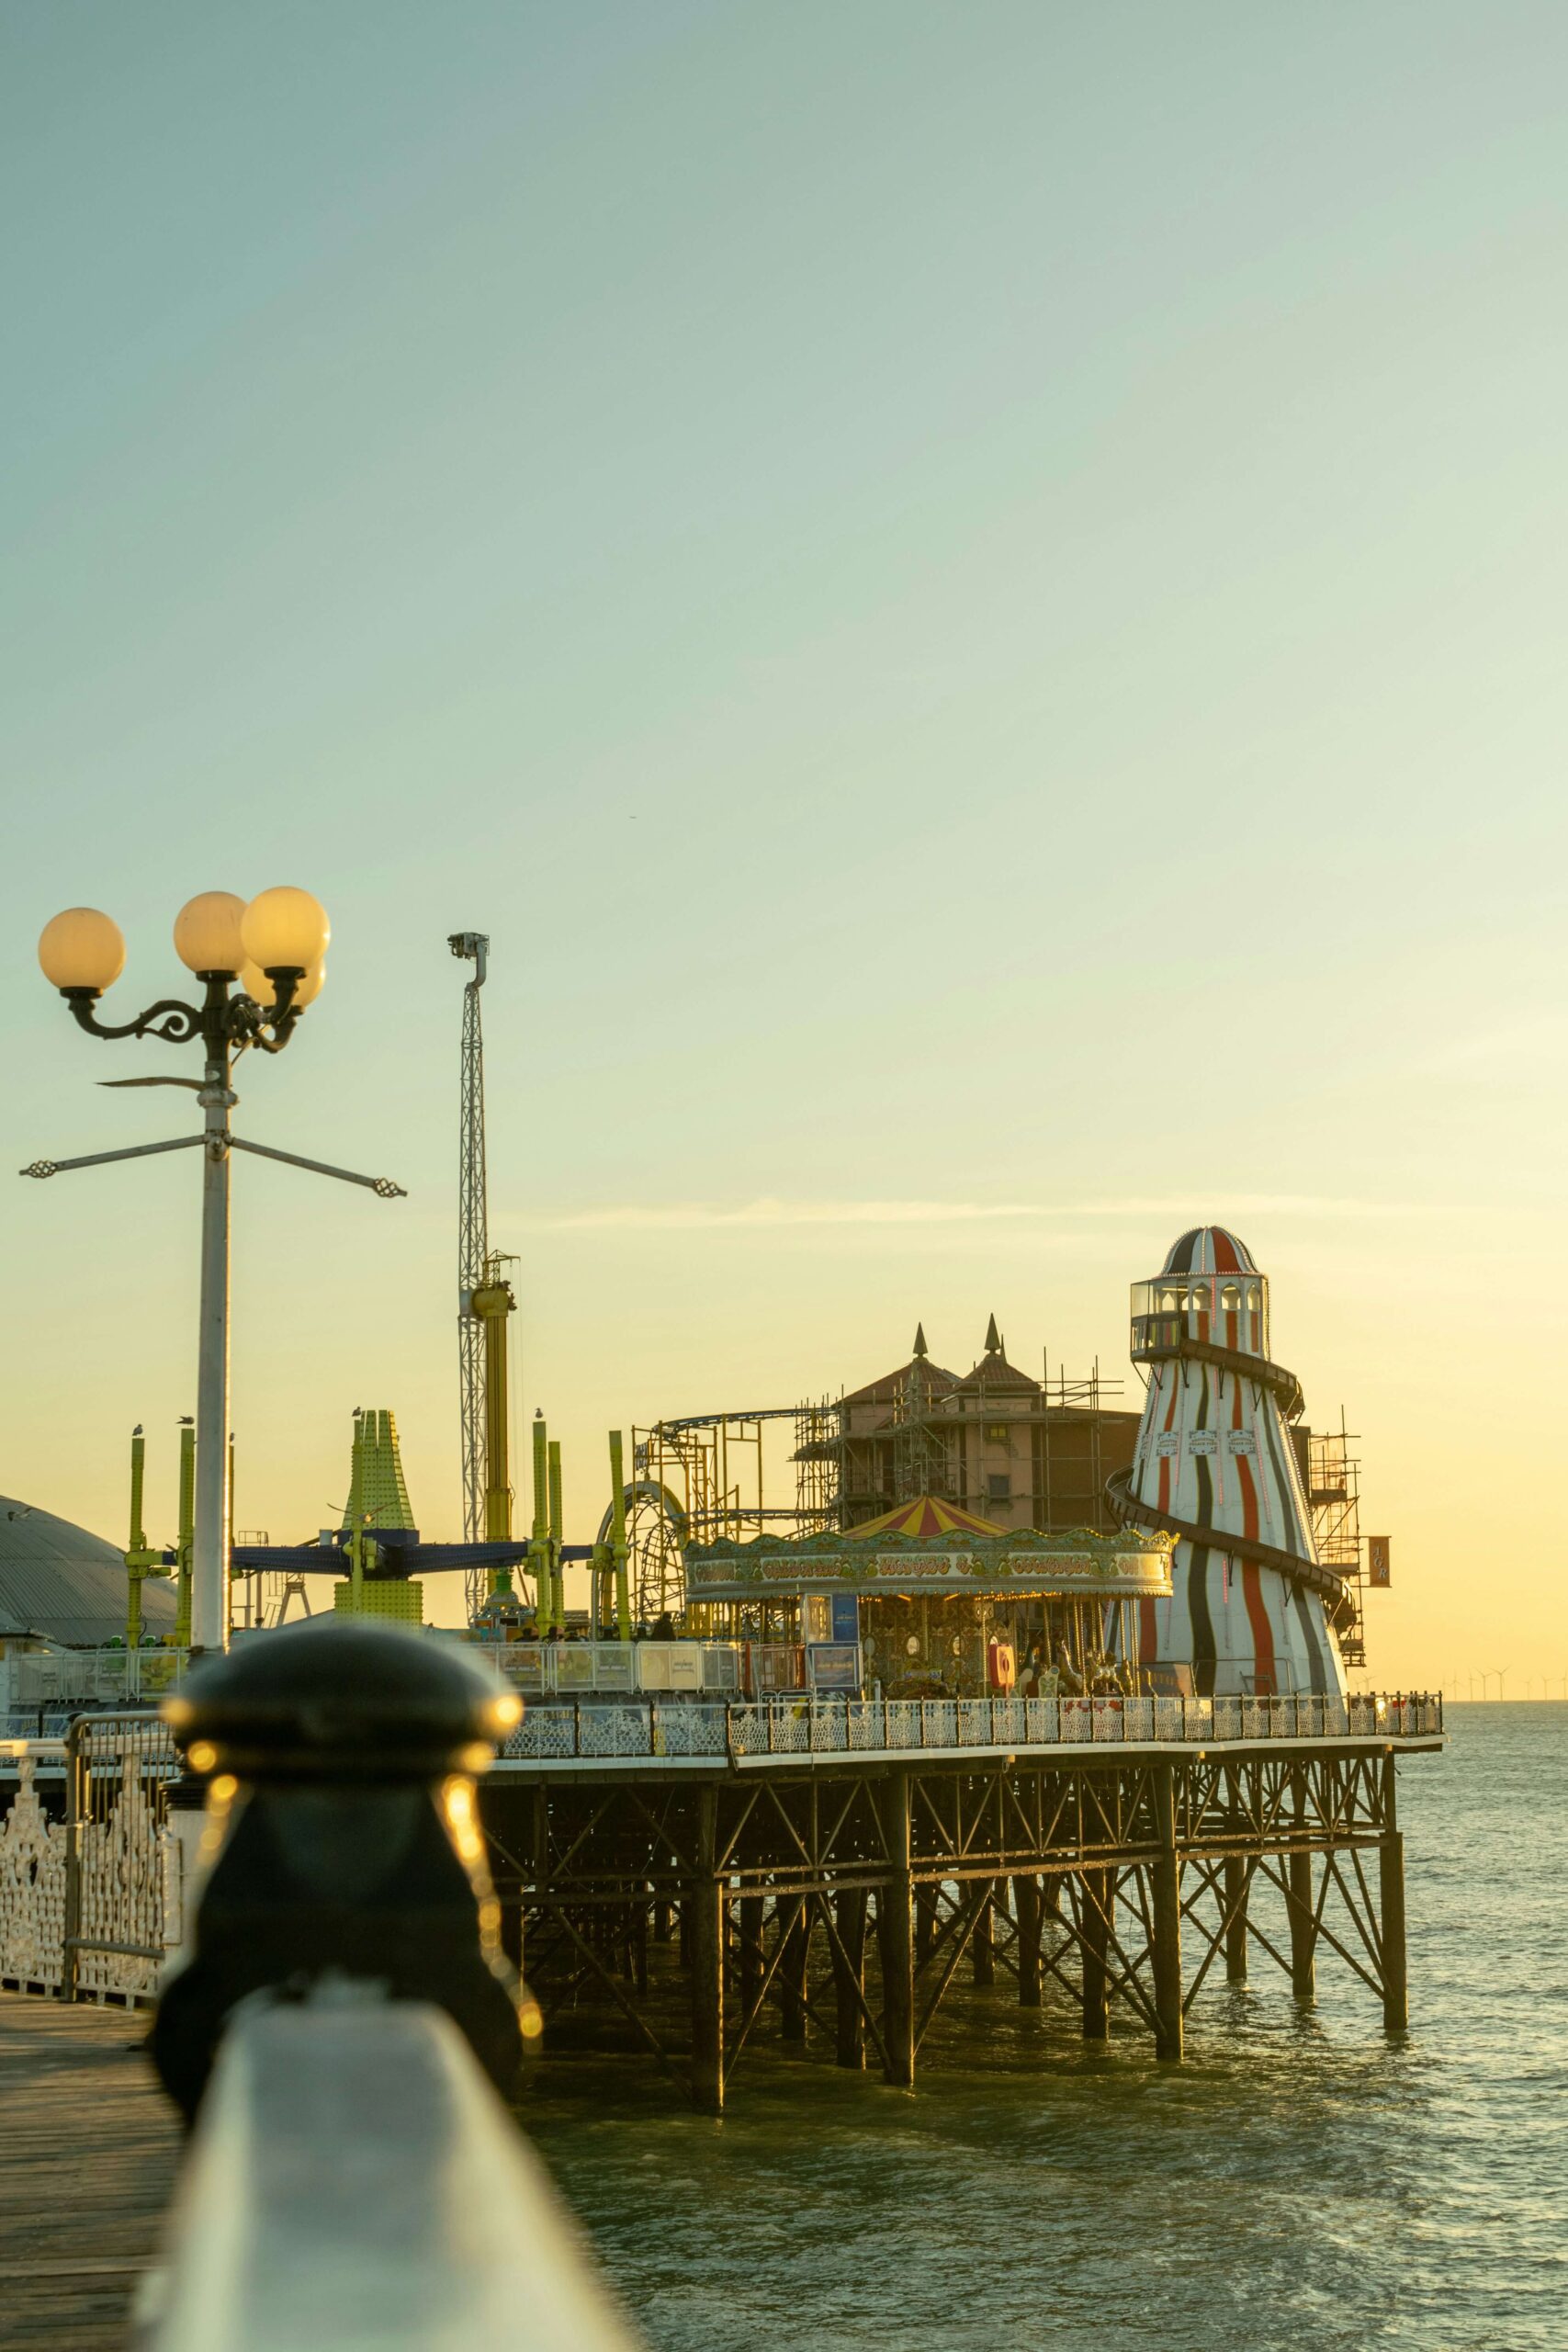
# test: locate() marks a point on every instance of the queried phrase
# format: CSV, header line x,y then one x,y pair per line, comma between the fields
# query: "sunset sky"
x,y
974,597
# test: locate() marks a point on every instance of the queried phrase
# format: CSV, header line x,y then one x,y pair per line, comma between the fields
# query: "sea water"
x,y
1302,2181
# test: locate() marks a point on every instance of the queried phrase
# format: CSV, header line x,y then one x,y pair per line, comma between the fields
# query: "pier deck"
x,y
844,1886
87,2161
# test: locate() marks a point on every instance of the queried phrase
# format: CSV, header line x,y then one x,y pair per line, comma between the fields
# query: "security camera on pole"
x,y
276,949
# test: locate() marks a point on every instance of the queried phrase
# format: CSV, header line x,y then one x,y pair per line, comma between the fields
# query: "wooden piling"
x,y
1391,1903
702,1916
895,1938
1167,1939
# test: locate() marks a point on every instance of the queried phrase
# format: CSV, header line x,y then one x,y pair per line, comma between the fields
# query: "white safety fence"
x,y
594,1728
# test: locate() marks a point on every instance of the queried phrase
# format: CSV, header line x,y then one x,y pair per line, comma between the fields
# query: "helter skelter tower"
x,y
1252,1609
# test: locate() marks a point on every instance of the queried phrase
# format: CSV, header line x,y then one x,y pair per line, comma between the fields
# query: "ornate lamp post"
x,y
275,948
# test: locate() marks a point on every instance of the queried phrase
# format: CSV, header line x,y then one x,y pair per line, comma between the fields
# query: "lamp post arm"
x,y
383,1186
42,1168
174,1023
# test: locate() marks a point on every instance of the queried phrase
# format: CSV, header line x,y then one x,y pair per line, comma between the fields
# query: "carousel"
x,y
932,1601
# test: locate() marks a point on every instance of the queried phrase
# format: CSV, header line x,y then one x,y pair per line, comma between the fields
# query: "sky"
x,y
974,597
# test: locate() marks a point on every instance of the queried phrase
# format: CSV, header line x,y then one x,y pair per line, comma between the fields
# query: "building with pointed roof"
x,y
1025,1453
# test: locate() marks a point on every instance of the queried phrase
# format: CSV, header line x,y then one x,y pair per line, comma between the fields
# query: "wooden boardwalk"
x,y
88,2147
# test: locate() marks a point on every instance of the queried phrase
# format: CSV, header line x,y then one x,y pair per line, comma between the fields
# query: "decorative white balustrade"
x,y
803,1726
87,1903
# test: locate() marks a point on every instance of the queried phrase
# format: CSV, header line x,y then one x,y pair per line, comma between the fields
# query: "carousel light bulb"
x,y
286,929
206,932
82,949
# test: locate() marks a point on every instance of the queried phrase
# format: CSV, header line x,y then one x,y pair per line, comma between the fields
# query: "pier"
x,y
790,1871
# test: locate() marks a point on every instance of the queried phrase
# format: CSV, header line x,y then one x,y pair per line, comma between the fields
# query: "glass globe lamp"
x,y
207,934
81,952
286,929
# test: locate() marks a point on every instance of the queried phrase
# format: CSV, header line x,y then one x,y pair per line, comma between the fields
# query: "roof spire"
x,y
992,1339
919,1340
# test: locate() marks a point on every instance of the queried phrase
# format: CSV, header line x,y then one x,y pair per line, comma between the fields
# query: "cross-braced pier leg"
x,y
849,1973
893,1909
982,1948
1391,1899
1028,1908
1166,1924
707,1904
1096,1895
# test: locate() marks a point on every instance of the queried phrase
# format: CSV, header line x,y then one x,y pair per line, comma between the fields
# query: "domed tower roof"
x,y
59,1581
1209,1249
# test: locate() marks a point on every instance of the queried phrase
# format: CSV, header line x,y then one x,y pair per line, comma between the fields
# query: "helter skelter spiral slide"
x,y
1252,1608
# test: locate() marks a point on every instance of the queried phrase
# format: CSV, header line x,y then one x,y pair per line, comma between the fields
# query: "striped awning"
x,y
926,1515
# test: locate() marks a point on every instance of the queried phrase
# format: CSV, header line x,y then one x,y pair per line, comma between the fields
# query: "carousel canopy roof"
x,y
926,1515
964,1554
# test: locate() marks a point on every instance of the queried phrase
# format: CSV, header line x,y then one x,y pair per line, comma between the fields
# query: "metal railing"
x,y
107,1678
355,2182
588,1728
572,1668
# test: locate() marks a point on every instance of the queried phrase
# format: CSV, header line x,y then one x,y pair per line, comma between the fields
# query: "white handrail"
x,y
355,2184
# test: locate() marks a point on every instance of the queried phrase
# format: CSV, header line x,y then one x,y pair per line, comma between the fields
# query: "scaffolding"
x,y
1073,1433
698,1480
1334,1496
816,1459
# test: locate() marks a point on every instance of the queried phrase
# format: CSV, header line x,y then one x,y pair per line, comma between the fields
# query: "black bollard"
x,y
338,1759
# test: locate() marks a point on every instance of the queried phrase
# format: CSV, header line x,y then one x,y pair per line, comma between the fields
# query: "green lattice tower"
x,y
378,1499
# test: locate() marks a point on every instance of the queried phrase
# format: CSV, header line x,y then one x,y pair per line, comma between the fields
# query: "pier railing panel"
x,y
802,1725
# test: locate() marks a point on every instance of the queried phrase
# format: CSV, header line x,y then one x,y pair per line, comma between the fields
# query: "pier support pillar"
x,y
794,1966
1298,1900
752,1911
982,1948
1095,1896
1026,1904
894,1933
1167,1876
702,1913
1236,1921
849,1974
1390,1902
925,1924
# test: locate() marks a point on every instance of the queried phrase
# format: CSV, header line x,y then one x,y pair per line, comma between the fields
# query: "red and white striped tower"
x,y
1251,1609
